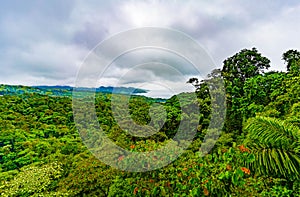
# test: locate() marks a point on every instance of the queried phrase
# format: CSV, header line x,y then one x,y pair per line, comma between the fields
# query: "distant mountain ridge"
x,y
103,89
58,90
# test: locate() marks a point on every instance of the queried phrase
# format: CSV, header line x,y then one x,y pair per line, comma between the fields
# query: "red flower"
x,y
121,158
135,190
244,149
205,191
228,167
245,170
204,182
132,146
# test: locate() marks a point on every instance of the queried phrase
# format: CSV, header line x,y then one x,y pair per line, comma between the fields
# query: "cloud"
x,y
44,42
51,60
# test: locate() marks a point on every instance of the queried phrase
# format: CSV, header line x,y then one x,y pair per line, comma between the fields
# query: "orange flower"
x,y
245,170
244,149
228,167
135,190
206,181
205,191
121,158
132,146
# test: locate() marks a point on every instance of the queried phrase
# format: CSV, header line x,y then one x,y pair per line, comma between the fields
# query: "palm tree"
x,y
276,146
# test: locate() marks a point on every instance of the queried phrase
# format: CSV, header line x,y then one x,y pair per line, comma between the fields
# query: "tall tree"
x,y
245,64
292,58
236,70
203,88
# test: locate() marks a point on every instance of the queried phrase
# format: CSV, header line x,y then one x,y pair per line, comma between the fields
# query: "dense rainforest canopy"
x,y
257,153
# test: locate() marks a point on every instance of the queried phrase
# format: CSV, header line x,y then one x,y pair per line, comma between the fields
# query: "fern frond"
x,y
276,146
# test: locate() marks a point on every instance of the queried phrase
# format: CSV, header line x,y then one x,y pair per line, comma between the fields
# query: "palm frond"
x,y
275,145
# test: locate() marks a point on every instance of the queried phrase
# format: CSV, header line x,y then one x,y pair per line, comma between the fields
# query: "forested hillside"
x,y
257,153
64,90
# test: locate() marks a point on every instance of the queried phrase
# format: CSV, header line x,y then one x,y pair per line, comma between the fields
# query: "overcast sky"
x,y
45,42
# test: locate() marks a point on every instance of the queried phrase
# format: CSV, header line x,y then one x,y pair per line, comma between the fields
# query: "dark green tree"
x,y
236,70
204,97
243,65
260,90
292,58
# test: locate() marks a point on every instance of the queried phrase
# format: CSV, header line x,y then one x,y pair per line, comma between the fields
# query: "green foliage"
x,y
236,70
292,58
257,154
276,146
260,91
244,65
32,181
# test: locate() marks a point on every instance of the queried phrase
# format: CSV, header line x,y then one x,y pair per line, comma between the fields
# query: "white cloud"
x,y
275,36
47,45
